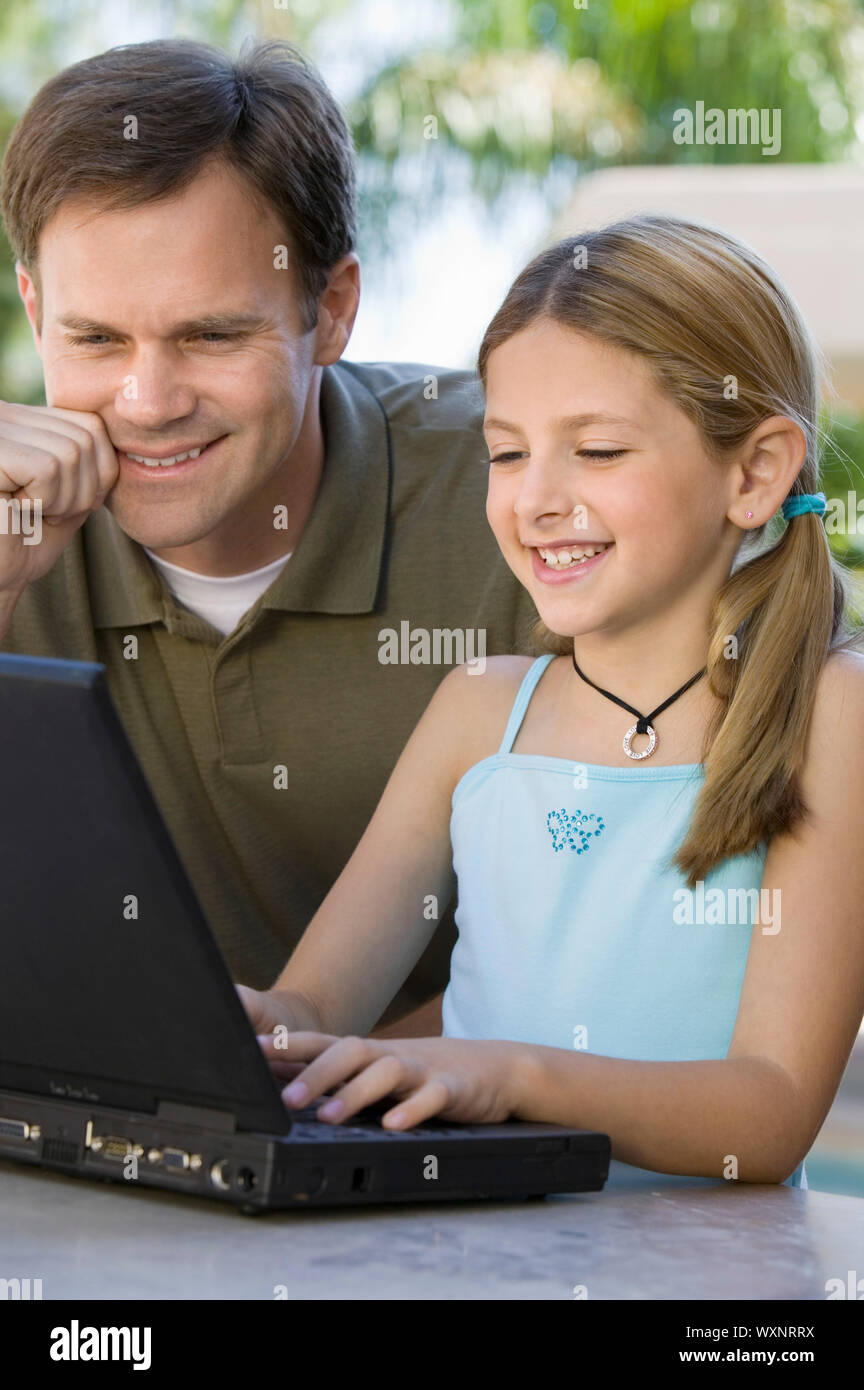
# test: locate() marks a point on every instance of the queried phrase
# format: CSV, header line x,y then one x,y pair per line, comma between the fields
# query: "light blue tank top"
x,y
574,931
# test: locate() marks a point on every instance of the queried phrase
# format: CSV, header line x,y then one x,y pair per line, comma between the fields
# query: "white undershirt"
x,y
221,601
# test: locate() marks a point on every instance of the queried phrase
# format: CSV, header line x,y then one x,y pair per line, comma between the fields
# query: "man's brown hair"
x,y
268,114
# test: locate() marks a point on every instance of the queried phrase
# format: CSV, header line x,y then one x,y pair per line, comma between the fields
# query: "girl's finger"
x,y
331,1067
380,1078
295,1047
286,1071
428,1100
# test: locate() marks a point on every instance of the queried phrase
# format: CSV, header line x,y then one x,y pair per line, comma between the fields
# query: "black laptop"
x,y
125,1052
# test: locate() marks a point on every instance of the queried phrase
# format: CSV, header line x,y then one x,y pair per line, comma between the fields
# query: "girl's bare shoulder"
x,y
841,680
475,704
837,719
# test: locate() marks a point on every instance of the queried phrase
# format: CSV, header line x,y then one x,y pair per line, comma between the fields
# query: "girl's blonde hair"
x,y
703,309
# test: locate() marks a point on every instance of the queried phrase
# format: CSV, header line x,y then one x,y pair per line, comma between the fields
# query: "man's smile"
x,y
179,460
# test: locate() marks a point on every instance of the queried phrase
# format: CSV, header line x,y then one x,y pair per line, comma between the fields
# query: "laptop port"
x,y
246,1179
175,1159
60,1151
220,1174
360,1180
179,1161
18,1129
115,1147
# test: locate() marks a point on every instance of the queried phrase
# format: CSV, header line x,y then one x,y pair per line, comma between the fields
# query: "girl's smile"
x,y
570,563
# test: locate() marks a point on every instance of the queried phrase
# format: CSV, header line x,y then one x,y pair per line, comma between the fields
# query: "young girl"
x,y
691,735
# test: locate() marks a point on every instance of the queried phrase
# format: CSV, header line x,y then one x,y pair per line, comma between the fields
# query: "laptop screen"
x,y
112,987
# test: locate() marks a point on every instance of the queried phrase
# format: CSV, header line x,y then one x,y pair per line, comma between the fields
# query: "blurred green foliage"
x,y
530,83
842,473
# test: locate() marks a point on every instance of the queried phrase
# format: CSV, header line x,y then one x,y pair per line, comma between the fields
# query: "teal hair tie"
x,y
804,502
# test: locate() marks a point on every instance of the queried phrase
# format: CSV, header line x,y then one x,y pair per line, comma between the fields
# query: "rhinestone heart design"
x,y
575,830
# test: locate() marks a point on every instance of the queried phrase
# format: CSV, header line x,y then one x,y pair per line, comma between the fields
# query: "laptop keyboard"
x,y
305,1125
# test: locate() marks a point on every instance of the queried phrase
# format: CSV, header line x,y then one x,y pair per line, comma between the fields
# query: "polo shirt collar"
x,y
336,565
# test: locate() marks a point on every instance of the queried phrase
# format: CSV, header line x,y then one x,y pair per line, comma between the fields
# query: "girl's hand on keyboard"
x,y
466,1080
266,1009
275,1014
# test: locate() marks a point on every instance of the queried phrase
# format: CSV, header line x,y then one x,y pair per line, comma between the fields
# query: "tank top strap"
x,y
523,696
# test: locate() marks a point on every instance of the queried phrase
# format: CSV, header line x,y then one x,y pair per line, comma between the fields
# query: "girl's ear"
x,y
767,466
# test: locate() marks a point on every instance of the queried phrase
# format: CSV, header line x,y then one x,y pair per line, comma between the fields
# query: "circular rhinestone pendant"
x,y
646,753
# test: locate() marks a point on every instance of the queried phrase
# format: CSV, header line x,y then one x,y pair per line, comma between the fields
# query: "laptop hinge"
x,y
197,1115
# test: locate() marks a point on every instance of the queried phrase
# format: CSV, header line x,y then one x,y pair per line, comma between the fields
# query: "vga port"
x,y
111,1146
176,1160
17,1129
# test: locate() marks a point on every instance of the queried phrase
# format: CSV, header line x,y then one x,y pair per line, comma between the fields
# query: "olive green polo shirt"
x,y
267,750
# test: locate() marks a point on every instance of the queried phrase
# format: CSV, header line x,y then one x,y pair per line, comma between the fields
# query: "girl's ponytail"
x,y
773,624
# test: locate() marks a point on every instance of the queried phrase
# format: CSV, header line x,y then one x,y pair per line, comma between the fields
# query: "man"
x,y
275,554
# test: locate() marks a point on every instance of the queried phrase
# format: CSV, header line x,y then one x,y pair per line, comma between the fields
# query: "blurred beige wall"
x,y
806,220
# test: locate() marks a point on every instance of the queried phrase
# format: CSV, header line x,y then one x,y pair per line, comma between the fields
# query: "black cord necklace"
x,y
643,721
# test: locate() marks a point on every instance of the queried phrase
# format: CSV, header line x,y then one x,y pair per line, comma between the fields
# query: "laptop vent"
x,y
60,1150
